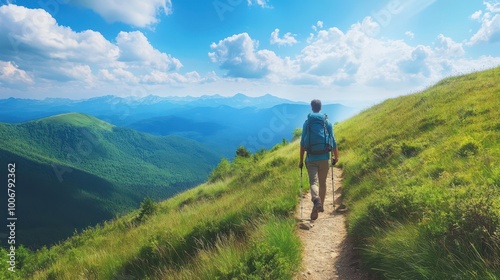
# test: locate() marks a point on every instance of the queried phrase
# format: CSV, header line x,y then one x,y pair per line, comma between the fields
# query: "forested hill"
x,y
74,170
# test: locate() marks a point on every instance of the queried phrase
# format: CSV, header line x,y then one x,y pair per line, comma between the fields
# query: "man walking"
x,y
319,142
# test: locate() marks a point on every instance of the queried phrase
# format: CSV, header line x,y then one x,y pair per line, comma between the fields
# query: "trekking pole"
x,y
301,185
333,186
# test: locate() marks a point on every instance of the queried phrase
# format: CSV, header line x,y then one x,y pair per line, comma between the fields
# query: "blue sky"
x,y
340,51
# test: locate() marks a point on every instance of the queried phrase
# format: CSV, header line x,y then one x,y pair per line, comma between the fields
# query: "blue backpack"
x,y
318,139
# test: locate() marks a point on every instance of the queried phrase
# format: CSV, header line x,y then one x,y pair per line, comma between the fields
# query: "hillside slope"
x,y
239,225
422,180
75,170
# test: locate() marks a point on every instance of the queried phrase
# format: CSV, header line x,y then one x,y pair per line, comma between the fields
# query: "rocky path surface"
x,y
328,254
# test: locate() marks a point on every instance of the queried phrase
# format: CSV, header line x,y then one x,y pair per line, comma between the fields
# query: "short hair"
x,y
316,105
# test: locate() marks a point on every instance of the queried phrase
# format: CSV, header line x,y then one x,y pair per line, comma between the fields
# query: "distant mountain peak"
x,y
240,95
78,120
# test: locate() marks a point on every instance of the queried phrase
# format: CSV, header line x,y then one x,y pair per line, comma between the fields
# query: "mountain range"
x,y
222,123
74,170
124,110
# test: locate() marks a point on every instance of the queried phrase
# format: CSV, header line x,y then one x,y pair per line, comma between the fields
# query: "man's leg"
x,y
322,174
312,170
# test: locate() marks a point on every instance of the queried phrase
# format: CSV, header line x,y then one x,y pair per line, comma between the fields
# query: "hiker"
x,y
319,142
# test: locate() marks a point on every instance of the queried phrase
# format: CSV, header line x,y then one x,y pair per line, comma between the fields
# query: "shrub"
x,y
272,255
242,152
221,172
409,150
469,148
428,124
277,162
478,225
148,208
388,209
297,133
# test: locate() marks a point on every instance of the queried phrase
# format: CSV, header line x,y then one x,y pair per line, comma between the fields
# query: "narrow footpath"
x,y
328,254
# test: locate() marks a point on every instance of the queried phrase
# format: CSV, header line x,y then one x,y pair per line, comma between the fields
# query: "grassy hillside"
x,y
423,182
74,170
239,225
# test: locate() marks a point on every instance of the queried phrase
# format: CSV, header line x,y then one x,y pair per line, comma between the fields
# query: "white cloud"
x,y
351,59
118,75
355,58
410,34
288,38
493,7
319,25
238,55
158,77
36,31
262,3
477,15
448,48
489,32
79,72
139,13
12,76
417,63
39,51
135,49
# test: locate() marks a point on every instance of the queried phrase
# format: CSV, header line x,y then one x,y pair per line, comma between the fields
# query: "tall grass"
x,y
422,181
239,226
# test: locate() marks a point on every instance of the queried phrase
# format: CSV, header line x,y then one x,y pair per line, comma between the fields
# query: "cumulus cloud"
x,y
476,15
118,75
493,7
489,32
139,13
287,39
262,3
319,25
135,49
238,55
36,50
410,34
158,77
446,47
12,76
365,60
351,58
417,63
36,31
354,57
357,58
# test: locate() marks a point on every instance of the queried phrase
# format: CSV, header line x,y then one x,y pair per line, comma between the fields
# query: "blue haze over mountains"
x,y
221,123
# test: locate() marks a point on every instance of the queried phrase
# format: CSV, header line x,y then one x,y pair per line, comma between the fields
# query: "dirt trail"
x,y
328,254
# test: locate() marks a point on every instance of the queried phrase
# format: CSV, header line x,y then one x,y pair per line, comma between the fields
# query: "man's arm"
x,y
302,152
335,155
335,150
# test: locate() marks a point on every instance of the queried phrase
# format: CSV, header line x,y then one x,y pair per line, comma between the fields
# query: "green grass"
x,y
78,120
93,170
422,181
239,227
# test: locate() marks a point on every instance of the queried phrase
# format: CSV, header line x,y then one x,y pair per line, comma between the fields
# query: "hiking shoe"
x,y
314,214
317,207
